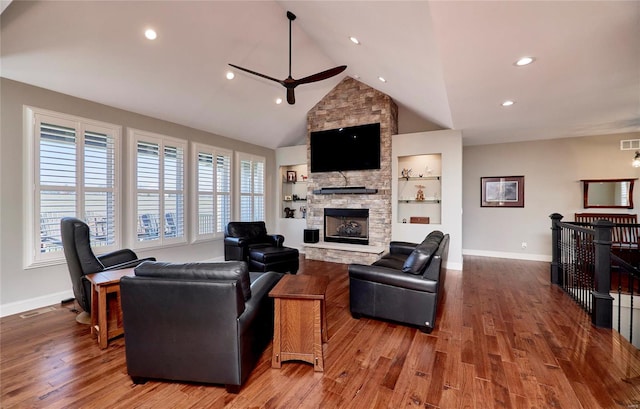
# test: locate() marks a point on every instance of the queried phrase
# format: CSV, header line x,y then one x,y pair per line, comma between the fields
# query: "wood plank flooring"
x,y
505,338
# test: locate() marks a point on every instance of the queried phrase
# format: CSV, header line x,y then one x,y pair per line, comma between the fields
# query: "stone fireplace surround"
x,y
352,103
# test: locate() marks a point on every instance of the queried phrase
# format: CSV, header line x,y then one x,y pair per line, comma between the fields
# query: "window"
x,y
158,189
75,173
251,187
212,201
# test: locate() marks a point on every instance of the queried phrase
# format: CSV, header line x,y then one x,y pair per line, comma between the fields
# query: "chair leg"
x,y
425,329
235,389
137,380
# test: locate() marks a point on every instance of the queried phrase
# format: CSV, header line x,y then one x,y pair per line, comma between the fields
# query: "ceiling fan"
x,y
290,83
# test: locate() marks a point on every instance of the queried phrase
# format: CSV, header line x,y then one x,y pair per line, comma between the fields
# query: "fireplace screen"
x,y
346,225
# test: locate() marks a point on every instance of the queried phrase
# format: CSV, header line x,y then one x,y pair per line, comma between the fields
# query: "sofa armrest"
x,y
278,239
259,293
392,277
130,264
236,241
402,247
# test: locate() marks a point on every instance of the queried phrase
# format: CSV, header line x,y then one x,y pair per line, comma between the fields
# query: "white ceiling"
x,y
449,62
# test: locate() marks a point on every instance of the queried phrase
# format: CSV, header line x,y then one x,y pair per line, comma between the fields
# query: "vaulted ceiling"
x,y
447,62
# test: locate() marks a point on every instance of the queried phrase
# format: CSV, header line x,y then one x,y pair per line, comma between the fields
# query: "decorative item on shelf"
x,y
291,176
296,197
420,193
287,198
406,173
303,210
288,213
419,220
404,220
304,178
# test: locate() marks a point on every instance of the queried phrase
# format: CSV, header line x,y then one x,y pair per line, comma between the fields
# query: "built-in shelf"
x,y
348,190
419,201
419,178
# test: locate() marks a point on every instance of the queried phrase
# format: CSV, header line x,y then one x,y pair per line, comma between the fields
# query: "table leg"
x,y
318,364
103,330
276,361
94,309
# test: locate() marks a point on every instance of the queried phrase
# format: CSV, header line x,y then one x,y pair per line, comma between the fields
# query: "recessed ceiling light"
x,y
150,34
354,40
508,103
230,75
278,101
524,61
382,79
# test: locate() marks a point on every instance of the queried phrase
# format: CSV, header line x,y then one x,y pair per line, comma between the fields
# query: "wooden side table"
x,y
106,311
300,326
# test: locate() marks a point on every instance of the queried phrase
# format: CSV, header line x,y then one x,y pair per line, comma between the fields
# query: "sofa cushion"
x,y
395,263
229,270
420,257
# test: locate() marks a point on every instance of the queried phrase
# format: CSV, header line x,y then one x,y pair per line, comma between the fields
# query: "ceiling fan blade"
x,y
291,98
258,74
322,75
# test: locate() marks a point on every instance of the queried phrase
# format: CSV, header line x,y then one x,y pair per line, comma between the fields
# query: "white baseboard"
x,y
501,254
453,266
34,303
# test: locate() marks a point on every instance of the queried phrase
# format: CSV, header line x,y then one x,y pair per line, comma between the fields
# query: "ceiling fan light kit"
x,y
290,83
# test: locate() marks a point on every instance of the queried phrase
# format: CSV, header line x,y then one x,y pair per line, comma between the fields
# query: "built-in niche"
x,y
419,189
608,193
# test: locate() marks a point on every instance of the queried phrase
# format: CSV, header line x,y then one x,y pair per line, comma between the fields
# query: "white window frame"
x,y
135,136
196,149
32,117
240,157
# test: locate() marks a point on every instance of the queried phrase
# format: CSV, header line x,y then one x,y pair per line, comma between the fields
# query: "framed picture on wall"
x,y
502,191
291,176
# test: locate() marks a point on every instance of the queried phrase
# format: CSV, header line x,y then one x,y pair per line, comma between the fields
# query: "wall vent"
x,y
629,144
37,312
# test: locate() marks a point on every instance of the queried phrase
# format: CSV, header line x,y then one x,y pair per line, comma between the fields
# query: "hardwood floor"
x,y
505,338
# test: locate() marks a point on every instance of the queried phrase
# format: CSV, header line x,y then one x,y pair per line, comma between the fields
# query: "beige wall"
x,y
552,171
21,288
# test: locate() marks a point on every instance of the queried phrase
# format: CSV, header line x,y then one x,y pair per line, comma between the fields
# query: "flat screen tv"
x,y
350,148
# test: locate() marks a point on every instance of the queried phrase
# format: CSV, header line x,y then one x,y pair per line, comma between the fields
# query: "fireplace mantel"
x,y
347,190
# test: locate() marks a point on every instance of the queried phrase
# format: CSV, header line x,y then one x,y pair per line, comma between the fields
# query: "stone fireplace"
x,y
346,226
352,103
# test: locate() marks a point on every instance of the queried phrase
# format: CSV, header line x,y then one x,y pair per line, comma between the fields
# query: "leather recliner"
x,y
405,285
250,242
81,259
196,322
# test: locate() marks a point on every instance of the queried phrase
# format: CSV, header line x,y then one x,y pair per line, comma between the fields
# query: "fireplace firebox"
x,y
346,226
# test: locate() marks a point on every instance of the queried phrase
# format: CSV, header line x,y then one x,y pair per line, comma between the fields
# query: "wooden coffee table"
x,y
106,311
300,326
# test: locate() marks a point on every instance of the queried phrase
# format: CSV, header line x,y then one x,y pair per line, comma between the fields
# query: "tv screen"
x,y
351,148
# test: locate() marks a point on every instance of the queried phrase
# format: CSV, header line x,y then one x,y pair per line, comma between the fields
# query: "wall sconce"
x,y
636,160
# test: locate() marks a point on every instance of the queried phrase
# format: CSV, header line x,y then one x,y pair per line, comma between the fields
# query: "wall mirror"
x,y
608,193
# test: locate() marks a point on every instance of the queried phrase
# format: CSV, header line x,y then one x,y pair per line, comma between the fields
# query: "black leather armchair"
x,y
405,285
250,242
82,261
196,322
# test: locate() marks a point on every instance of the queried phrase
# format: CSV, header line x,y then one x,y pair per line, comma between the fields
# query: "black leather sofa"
x,y
250,242
196,322
405,285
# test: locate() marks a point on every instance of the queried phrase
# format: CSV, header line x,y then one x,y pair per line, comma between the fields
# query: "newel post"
x,y
602,301
556,276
